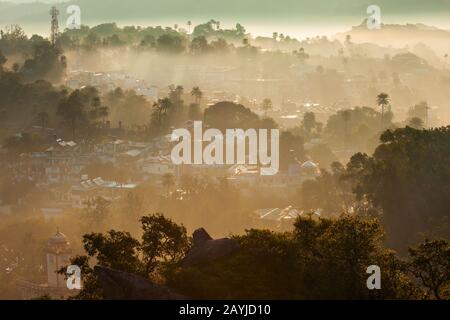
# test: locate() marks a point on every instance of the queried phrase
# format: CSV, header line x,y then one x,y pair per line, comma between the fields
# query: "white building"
x,y
57,256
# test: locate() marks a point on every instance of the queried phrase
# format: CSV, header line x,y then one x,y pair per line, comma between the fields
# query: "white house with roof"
x,y
90,189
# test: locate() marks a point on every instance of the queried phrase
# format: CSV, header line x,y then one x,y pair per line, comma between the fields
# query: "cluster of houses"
x,y
62,170
107,81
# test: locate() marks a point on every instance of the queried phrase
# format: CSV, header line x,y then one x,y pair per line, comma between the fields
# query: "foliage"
x,y
163,244
430,263
228,115
324,259
408,178
328,192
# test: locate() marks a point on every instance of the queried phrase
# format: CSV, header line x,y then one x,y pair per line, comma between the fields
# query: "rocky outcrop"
x,y
206,249
120,285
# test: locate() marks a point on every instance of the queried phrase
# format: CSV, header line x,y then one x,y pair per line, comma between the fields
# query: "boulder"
x,y
206,249
120,285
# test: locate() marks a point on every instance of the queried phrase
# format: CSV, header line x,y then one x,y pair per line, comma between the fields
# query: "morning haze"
x,y
314,159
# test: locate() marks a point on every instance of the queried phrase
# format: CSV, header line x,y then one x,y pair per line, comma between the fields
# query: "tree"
x,y
97,111
309,124
420,111
225,115
164,243
348,39
291,149
407,178
328,192
15,67
114,249
96,213
162,246
302,55
2,60
160,114
430,263
326,259
189,24
275,36
197,94
416,123
199,45
46,62
71,109
171,43
361,124
383,100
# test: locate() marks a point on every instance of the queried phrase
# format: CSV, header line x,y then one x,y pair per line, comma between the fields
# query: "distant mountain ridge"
x,y
34,17
109,10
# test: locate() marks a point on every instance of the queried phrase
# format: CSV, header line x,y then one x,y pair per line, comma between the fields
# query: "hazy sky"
x,y
297,18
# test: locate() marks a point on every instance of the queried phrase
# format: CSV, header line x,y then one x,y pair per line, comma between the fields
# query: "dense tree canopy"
x,y
408,178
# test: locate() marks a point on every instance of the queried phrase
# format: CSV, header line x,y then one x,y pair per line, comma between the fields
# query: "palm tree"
x,y
168,181
302,55
162,106
383,100
197,94
189,24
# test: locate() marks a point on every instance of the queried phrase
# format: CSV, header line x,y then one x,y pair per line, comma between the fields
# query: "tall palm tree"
x,y
383,100
197,94
189,24
162,106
